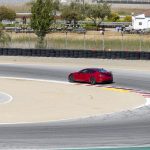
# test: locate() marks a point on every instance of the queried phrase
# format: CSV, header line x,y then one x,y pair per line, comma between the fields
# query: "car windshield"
x,y
102,70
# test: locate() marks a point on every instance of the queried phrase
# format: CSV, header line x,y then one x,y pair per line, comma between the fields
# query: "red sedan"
x,y
91,75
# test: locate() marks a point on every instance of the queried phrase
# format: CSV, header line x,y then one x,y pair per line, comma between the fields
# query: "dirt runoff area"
x,y
77,62
36,101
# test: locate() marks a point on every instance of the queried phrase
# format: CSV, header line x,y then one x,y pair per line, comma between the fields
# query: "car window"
x,y
87,71
102,70
84,71
91,71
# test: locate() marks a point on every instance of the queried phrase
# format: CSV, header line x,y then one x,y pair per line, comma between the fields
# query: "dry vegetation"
x,y
91,40
129,11
90,35
121,9
20,7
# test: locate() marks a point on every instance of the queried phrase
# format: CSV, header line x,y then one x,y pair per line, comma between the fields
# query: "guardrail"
x,y
115,24
76,53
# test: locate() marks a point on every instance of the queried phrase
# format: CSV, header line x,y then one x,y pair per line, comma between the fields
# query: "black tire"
x,y
111,81
70,78
92,81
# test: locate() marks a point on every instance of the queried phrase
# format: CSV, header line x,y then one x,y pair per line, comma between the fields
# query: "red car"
x,y
92,76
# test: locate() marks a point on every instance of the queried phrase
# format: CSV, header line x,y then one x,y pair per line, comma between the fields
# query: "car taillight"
x,y
106,74
109,74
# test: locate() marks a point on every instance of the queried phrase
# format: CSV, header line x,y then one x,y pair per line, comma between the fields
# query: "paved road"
x,y
129,128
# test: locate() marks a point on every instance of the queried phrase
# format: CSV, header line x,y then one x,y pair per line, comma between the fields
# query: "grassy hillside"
x,y
18,7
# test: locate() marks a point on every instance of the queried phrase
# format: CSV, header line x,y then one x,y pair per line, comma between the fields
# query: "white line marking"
x,y
147,102
40,80
102,147
7,101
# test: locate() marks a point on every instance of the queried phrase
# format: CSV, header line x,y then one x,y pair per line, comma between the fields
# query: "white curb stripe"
x,y
40,80
7,101
147,101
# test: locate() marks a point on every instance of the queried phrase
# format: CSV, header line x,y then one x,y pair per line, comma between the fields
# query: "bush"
x,y
128,19
90,27
114,17
9,25
1,26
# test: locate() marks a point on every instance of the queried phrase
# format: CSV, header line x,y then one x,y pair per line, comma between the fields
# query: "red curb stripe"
x,y
88,85
143,93
146,95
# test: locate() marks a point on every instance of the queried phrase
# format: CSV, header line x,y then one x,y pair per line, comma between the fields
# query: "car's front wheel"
x,y
70,78
92,80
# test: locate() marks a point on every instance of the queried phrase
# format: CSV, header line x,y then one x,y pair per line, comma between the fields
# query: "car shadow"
x,y
103,83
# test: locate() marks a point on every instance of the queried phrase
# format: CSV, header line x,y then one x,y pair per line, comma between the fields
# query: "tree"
x,y
56,7
98,12
127,19
6,13
73,12
42,17
91,12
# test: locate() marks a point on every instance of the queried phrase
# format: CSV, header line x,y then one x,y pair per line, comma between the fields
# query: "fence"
x,y
110,40
75,53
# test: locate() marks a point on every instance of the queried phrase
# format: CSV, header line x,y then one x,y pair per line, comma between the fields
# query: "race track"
x,y
128,128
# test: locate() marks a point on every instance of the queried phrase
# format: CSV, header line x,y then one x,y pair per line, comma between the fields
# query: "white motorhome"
x,y
140,22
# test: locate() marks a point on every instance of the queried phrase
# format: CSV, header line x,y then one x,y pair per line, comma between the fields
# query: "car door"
x,y
82,75
86,75
91,73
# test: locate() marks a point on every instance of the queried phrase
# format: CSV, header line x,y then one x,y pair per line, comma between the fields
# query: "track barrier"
x,y
131,55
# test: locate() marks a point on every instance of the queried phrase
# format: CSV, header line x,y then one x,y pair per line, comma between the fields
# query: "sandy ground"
x,y
35,101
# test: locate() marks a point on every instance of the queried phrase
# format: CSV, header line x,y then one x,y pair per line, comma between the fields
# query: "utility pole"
x,y
140,41
84,40
122,41
66,40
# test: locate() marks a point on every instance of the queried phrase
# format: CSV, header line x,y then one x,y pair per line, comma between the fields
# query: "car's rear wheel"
x,y
92,80
111,81
70,78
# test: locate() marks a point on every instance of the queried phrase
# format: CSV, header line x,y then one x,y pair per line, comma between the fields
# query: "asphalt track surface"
x,y
128,128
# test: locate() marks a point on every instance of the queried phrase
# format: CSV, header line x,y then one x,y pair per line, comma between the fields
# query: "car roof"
x,y
96,69
93,68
